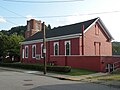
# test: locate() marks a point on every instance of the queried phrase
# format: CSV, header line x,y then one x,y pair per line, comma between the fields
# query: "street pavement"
x,y
18,79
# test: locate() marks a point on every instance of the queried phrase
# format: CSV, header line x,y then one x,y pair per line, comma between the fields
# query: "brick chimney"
x,y
33,26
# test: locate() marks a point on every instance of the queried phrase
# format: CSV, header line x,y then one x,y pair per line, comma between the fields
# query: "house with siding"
x,y
80,45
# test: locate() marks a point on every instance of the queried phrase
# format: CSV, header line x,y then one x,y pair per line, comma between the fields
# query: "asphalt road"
x,y
12,80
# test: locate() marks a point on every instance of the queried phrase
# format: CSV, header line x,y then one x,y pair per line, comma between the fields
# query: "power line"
x,y
11,22
11,11
68,15
24,1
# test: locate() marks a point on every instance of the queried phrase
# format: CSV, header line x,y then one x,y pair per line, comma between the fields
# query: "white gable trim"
x,y
105,29
102,26
53,38
91,25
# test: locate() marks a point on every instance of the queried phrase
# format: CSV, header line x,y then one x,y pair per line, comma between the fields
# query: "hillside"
x,y
20,30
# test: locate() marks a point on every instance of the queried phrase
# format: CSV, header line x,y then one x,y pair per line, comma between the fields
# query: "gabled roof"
x,y
105,29
67,30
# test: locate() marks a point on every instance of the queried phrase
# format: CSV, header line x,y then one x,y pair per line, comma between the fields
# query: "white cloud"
x,y
30,17
2,20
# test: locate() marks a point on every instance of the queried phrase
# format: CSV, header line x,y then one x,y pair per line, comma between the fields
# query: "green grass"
x,y
78,72
109,77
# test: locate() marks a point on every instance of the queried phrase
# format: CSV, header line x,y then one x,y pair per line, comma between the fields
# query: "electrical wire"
x,y
11,22
11,11
24,1
62,16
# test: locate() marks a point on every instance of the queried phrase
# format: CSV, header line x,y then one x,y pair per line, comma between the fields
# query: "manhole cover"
x,y
29,84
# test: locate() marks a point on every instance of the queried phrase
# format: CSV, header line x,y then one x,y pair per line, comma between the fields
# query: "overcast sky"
x,y
14,13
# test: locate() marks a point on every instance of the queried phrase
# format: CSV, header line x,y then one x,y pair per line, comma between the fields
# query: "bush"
x,y
59,68
37,67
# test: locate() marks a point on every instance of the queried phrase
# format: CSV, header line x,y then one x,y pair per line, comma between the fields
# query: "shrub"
x,y
37,67
59,68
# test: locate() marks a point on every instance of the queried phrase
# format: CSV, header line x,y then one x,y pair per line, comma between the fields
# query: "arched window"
x,y
67,47
42,54
33,51
56,48
26,51
23,52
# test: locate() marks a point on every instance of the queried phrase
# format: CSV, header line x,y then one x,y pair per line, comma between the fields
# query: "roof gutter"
x,y
52,39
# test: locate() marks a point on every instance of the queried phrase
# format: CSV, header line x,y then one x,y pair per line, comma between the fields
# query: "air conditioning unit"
x,y
37,56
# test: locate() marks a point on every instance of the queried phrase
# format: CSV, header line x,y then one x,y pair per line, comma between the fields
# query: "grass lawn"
x,y
108,77
113,76
77,72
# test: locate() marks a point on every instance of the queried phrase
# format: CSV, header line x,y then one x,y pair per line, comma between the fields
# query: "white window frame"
x,y
26,55
41,51
69,47
54,47
33,52
23,53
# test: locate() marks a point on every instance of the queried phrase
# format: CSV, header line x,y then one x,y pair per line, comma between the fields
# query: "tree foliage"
x,y
9,45
3,44
19,30
10,41
116,48
14,44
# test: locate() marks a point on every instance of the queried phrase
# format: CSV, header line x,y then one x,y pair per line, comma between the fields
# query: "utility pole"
x,y
44,46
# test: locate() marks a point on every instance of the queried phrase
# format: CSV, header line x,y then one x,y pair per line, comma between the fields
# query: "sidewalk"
x,y
82,78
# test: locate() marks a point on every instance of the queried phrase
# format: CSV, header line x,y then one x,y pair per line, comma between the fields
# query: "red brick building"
x,y
70,45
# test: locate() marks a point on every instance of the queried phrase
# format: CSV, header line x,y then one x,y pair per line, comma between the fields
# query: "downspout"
x,y
48,51
82,39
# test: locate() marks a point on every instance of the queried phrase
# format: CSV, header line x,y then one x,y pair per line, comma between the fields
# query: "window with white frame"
x,y
56,48
23,53
33,51
67,48
26,51
42,55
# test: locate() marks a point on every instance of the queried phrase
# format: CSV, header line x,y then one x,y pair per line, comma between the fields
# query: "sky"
x,y
14,13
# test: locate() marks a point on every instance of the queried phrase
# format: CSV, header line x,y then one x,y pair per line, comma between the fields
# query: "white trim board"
x,y
53,38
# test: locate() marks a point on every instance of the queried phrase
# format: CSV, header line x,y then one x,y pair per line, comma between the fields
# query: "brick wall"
x,y
90,38
95,63
31,27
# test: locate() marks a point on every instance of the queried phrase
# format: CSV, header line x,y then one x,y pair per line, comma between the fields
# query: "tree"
x,y
116,48
3,44
20,30
9,42
14,45
49,27
9,45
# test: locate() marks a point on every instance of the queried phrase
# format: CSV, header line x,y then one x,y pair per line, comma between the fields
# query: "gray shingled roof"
x,y
63,30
